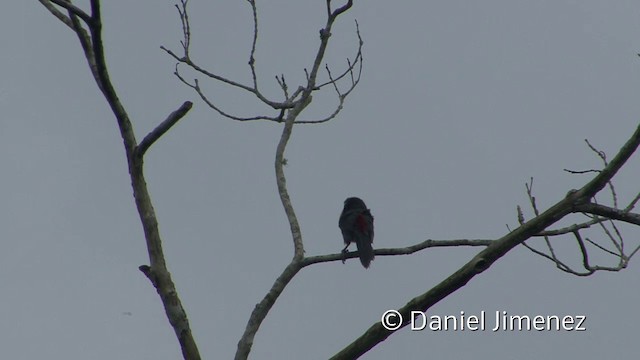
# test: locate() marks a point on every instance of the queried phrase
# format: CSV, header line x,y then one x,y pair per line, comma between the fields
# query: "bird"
x,y
356,225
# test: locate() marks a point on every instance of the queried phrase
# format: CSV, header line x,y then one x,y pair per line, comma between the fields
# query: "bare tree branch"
x,y
196,87
263,307
57,13
585,254
187,61
608,212
572,228
632,203
355,79
590,269
157,272
600,215
164,126
602,248
559,264
252,58
396,251
88,28
71,20
339,10
186,27
483,260
289,100
66,4
349,70
603,156
532,201
302,99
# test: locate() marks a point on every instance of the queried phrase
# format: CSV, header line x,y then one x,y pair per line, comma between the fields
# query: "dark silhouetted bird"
x,y
356,224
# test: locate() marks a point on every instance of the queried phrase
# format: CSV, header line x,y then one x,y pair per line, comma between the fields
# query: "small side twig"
x,y
162,128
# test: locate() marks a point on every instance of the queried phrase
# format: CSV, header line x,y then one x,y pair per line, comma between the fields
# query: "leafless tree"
x,y
87,25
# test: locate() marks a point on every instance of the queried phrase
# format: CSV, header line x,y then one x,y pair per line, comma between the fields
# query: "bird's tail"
x,y
365,251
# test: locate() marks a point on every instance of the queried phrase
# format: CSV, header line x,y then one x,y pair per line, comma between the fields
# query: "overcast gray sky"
x,y
459,105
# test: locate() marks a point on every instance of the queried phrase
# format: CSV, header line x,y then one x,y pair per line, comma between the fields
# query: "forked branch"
x,y
293,106
92,45
353,71
605,217
483,260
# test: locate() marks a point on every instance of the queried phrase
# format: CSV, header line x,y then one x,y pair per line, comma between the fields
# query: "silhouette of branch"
x,y
70,7
483,260
601,215
164,126
397,251
57,13
355,79
157,271
289,101
299,100
196,87
571,229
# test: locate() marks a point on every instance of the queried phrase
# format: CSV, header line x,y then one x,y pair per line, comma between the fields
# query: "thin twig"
x,y
254,41
397,251
483,260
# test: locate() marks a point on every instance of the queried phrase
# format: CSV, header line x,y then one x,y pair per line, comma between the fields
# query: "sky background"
x,y
460,103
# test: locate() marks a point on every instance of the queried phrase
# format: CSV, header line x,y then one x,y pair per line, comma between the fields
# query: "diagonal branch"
x,y
161,129
57,13
483,260
584,252
262,309
339,10
194,66
252,57
559,264
66,4
196,86
157,272
571,228
355,80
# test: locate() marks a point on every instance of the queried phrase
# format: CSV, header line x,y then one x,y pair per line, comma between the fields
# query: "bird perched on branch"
x,y
356,224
